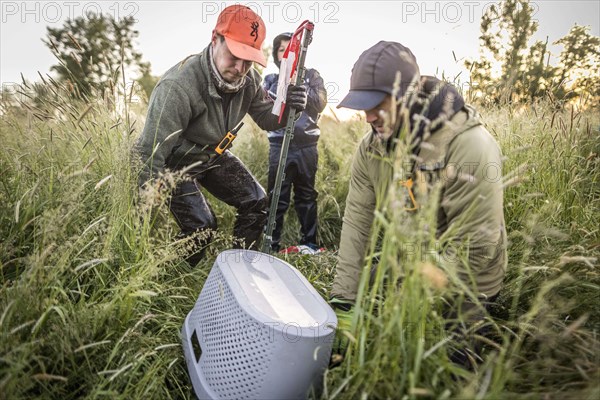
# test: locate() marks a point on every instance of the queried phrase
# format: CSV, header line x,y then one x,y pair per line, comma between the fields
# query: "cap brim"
x,y
246,52
362,99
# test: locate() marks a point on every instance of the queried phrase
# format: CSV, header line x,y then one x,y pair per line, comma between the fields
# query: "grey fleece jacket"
x,y
185,118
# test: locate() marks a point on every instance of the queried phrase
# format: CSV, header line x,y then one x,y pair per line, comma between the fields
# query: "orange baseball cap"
x,y
244,33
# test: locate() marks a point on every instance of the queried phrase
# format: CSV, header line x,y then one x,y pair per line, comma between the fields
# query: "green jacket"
x,y
471,202
185,120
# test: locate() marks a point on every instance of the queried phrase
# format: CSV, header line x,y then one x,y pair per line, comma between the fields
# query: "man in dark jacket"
x,y
302,160
192,108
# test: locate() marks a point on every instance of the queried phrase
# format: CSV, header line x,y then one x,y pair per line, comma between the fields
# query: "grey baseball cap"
x,y
374,74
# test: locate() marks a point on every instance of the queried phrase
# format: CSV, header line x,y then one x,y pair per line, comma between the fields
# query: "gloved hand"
x,y
296,98
344,312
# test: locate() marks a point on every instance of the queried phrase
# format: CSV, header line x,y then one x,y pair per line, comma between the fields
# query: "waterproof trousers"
x,y
300,173
228,180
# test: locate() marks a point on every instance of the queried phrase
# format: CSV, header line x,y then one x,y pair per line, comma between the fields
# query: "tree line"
x,y
526,72
94,52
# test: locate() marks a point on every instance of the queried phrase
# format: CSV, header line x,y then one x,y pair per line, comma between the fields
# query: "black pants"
x,y
465,320
300,172
227,179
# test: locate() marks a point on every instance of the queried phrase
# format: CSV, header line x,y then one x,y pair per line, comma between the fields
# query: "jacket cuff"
x,y
340,303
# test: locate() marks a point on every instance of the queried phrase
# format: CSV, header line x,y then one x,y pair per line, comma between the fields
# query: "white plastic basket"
x,y
259,330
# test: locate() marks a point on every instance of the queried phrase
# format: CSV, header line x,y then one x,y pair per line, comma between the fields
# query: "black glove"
x,y
296,98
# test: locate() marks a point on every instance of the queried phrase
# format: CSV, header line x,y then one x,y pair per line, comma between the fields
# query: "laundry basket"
x,y
258,330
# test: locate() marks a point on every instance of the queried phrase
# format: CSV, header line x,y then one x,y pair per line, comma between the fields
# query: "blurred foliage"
x,y
525,73
93,50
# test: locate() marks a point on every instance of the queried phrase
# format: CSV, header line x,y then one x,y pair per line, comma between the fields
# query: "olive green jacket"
x,y
185,120
467,160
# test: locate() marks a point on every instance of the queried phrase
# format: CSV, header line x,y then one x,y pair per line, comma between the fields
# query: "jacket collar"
x,y
212,89
433,149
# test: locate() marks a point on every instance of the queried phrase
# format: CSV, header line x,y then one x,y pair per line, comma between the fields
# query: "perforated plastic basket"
x,y
259,330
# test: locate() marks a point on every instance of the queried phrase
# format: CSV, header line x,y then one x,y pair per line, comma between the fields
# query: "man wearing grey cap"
x,y
445,132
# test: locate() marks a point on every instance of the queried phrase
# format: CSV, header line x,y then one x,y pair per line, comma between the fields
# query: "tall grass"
x,y
94,290
548,308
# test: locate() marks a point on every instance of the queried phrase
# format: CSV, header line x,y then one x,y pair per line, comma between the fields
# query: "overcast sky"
x,y
169,31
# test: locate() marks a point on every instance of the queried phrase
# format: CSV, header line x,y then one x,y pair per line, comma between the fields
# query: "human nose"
x,y
371,115
242,65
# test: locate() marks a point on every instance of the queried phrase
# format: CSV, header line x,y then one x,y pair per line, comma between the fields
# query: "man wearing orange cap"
x,y
192,108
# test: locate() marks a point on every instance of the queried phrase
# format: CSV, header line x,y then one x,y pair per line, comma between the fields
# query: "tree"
x,y
516,20
91,51
539,74
579,63
505,33
525,71
147,83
